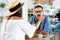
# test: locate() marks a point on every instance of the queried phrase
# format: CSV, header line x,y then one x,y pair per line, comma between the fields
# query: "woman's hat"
x,y
14,7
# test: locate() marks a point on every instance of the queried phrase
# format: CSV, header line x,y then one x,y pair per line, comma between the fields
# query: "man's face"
x,y
38,12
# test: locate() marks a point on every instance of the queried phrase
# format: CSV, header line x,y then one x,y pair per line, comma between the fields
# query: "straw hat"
x,y
14,7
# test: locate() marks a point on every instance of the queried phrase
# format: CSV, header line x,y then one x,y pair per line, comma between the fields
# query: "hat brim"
x,y
11,13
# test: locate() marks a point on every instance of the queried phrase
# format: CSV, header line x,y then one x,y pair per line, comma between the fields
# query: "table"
x,y
40,38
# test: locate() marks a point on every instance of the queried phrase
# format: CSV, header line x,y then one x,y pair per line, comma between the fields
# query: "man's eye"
x,y
38,11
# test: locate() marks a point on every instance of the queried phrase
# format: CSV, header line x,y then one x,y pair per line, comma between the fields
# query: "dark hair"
x,y
58,15
38,6
59,10
18,14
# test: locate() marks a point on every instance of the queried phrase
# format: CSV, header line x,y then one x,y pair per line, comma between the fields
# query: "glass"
x,y
38,11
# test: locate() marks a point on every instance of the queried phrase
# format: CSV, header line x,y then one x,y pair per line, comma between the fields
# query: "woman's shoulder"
x,y
7,17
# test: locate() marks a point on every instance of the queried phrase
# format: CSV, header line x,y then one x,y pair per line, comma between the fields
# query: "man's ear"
x,y
43,11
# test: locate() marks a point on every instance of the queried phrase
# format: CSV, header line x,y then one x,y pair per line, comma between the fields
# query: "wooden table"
x,y
40,38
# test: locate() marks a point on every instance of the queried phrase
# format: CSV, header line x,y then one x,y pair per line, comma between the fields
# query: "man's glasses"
x,y
38,11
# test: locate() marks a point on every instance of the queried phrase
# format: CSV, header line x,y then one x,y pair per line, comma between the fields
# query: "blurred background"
x,y
51,8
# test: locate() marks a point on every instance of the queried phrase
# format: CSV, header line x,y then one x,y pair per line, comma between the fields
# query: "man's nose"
x,y
38,13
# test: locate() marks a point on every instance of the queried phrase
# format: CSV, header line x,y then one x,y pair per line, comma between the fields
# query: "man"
x,y
44,27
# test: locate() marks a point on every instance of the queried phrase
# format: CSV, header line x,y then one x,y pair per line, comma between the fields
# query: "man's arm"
x,y
47,27
37,24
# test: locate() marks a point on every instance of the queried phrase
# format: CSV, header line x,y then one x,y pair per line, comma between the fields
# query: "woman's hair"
x,y
18,14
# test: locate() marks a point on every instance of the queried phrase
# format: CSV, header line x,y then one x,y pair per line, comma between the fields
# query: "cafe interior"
x,y
51,8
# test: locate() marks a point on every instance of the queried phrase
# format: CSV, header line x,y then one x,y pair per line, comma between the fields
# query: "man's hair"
x,y
38,6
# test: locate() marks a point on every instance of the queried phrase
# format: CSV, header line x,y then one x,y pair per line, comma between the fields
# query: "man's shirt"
x,y
45,25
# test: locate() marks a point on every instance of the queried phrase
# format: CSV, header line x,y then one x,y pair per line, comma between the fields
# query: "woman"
x,y
14,27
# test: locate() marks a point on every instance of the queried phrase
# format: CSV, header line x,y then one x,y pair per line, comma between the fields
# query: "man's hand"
x,y
41,32
41,18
